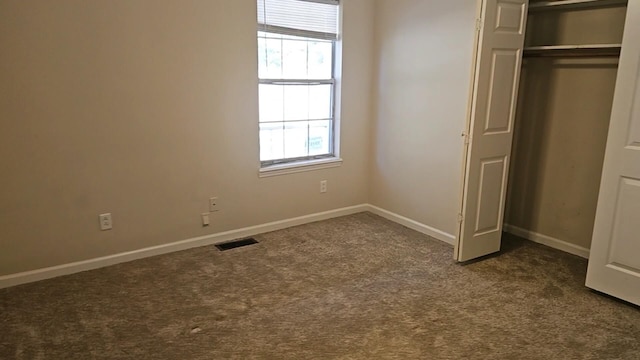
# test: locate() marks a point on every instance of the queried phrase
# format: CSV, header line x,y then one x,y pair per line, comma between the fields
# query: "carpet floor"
x,y
355,287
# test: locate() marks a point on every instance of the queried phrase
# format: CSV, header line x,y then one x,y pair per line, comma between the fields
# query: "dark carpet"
x,y
356,287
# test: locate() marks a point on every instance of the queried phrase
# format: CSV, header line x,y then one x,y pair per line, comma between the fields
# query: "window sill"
x,y
300,166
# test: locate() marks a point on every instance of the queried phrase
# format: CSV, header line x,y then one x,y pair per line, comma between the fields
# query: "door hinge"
x,y
465,135
460,218
478,24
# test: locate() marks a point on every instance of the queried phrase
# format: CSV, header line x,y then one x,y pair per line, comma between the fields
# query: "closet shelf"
x,y
573,4
587,50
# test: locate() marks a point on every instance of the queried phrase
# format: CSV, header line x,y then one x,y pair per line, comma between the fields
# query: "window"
x,y
296,56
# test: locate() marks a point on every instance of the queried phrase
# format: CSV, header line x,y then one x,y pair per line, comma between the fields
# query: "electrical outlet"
x,y
323,186
213,204
105,222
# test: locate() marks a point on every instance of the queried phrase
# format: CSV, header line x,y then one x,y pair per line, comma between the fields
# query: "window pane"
x,y
296,102
262,56
271,102
294,55
296,119
295,139
320,102
271,141
320,137
269,58
320,60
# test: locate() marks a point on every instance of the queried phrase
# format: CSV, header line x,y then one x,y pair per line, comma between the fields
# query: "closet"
x,y
569,69
539,125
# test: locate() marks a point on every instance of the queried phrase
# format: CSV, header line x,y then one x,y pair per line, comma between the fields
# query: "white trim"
x,y
75,267
299,166
414,225
91,264
547,240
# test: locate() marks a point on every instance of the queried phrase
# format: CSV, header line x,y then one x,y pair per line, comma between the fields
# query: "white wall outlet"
x,y
205,219
105,222
213,204
323,186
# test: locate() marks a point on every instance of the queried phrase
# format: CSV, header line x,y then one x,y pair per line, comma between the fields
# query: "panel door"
x,y
614,261
490,132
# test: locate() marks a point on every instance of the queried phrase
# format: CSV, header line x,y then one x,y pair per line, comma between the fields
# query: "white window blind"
x,y
307,18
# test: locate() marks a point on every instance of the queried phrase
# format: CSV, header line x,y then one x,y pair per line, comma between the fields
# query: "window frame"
x,y
309,162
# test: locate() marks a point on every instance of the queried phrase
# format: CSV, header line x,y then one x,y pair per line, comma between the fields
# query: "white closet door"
x,y
490,134
614,261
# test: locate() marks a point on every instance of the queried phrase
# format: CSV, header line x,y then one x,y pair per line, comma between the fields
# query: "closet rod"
x,y
573,4
590,50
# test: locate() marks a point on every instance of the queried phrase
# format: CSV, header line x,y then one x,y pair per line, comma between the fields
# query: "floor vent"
x,y
236,244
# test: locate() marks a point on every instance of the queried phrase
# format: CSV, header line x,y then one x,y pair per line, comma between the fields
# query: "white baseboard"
x,y
412,224
75,267
547,240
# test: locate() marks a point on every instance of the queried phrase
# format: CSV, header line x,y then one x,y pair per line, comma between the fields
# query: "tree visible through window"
x,y
296,52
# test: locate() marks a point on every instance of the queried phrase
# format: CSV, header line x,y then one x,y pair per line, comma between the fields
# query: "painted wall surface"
x,y
561,126
425,55
145,109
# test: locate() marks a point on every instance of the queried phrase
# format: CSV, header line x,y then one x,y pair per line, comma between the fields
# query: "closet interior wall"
x,y
561,125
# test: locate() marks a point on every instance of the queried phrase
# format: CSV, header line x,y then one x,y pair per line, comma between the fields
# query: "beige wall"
x,y
561,126
145,109
425,55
